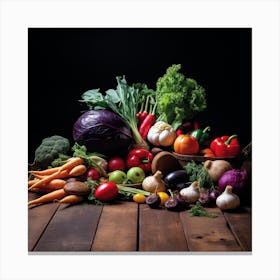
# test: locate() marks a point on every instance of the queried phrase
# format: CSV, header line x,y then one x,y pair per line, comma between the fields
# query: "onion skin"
x,y
236,178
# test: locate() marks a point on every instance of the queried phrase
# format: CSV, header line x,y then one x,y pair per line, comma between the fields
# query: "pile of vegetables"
x,y
114,137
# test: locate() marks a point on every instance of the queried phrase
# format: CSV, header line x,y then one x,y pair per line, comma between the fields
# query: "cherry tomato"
x,y
93,174
116,163
186,145
139,198
106,191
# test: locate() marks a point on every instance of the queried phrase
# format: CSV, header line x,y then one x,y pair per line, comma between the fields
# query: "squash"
x,y
161,134
186,145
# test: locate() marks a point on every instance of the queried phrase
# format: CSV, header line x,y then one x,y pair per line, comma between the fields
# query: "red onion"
x,y
235,178
213,195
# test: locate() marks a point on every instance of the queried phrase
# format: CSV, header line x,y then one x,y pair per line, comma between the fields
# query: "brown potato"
x,y
77,188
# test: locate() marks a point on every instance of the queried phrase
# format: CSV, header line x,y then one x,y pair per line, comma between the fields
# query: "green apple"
x,y
117,176
135,175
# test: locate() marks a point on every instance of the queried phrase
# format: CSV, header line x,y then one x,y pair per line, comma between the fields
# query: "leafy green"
x,y
198,210
93,184
91,159
129,192
178,98
123,101
197,172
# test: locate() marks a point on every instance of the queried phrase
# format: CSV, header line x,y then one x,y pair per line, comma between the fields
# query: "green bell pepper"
x,y
201,135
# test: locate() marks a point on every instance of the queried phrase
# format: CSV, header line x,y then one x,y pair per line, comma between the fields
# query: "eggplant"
x,y
176,179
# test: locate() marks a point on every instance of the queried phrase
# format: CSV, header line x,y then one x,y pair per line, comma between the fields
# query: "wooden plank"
x,y
38,219
240,223
117,229
160,230
208,234
72,228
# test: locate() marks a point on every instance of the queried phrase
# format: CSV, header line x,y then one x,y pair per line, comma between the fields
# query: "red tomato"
x,y
106,191
93,174
116,163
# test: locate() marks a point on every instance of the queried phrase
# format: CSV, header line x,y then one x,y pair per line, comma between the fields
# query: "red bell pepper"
x,y
140,157
225,146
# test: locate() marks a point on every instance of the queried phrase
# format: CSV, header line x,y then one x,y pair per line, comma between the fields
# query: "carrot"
x,y
72,162
78,170
53,185
71,198
49,197
33,181
44,172
61,175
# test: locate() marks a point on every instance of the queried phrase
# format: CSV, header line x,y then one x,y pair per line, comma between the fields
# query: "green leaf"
x,y
112,96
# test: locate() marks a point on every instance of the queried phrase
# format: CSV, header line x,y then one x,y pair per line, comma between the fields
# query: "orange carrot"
x,y
44,172
72,162
71,198
61,175
33,181
57,182
53,185
78,170
49,197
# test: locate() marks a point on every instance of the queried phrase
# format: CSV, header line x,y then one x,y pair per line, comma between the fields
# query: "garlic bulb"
x,y
161,134
191,194
154,183
228,200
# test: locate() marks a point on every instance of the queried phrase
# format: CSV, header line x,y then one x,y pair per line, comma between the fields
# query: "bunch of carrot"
x,y
51,182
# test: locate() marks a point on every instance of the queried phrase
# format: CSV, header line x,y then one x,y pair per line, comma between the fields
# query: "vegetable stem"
x,y
227,142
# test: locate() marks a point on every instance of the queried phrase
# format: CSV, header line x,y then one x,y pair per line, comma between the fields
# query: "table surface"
x,y
132,227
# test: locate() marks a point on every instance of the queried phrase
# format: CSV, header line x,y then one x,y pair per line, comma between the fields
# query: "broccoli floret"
x,y
50,149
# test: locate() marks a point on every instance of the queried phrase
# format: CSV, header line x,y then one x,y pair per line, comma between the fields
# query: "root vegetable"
x,y
70,163
44,172
72,199
216,168
32,182
49,197
53,185
62,174
78,170
77,188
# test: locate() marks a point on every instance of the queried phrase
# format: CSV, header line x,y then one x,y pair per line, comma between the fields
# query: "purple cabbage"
x,y
102,131
236,178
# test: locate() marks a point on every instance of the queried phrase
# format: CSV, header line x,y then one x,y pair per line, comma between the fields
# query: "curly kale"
x,y
178,98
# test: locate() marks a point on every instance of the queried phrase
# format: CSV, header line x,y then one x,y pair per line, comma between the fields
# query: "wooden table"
x,y
129,227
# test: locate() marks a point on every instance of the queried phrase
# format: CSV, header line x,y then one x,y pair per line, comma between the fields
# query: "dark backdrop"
x,y
65,62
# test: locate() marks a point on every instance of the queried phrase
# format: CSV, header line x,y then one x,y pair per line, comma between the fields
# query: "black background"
x,y
63,63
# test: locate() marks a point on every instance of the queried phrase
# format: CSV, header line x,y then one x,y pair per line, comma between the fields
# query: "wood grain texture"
x,y
240,223
117,229
208,234
160,230
38,218
72,228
